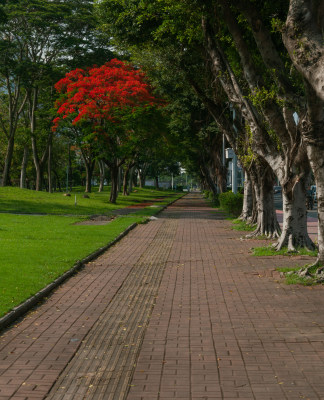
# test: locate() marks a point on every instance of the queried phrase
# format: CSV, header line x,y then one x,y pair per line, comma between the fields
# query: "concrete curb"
x,y
26,306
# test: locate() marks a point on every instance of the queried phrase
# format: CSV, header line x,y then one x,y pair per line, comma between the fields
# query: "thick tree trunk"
x,y
303,38
267,223
294,231
317,161
101,165
24,167
247,210
7,161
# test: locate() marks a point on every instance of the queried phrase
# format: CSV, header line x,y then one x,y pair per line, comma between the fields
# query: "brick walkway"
x,y
179,309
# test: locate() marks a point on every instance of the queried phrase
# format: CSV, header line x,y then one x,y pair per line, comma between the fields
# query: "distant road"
x,y
278,206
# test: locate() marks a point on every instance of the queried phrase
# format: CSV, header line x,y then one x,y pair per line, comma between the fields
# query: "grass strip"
x,y
270,251
35,250
292,278
239,225
24,201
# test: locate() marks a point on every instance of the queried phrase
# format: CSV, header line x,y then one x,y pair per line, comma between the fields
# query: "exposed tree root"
x,y
293,243
268,233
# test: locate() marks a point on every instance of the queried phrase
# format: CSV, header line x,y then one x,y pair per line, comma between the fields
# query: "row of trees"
x,y
257,68
40,41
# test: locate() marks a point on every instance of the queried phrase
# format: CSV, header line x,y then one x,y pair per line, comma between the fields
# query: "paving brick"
x,y
179,309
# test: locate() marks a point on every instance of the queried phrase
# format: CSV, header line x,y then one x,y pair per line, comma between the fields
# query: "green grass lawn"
x,y
15,200
36,249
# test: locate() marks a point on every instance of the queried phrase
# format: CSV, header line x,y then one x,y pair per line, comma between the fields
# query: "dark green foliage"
x,y
232,203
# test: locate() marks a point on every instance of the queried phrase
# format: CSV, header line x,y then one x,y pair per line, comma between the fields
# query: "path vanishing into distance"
x,y
178,309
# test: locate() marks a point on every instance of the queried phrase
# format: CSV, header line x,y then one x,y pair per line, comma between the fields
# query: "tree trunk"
x,y
142,177
7,161
58,183
120,179
247,210
315,153
24,167
101,165
49,168
156,182
131,180
294,231
267,223
89,166
38,166
125,181
114,172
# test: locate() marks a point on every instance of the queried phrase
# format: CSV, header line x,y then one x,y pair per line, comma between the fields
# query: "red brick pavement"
x,y
215,322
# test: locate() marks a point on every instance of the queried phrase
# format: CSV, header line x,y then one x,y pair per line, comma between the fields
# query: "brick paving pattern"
x,y
179,309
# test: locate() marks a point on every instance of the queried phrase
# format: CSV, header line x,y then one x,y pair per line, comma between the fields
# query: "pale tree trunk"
x,y
315,153
285,163
294,230
24,167
247,210
267,223
101,165
89,166
303,38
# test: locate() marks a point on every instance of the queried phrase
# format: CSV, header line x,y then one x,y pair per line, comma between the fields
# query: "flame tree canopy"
x,y
110,108
102,95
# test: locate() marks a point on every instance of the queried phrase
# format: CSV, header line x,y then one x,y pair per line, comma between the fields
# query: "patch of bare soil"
x,y
96,220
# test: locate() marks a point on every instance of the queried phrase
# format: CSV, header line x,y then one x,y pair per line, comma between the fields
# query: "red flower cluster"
x,y
102,93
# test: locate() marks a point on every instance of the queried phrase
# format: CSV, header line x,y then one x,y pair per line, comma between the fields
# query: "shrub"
x,y
232,203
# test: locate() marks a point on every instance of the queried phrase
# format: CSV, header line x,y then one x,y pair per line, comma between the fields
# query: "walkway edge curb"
x,y
27,305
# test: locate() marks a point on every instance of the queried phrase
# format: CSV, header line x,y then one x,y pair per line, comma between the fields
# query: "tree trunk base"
x,y
268,232
293,243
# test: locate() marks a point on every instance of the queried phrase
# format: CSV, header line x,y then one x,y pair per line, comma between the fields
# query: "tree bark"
x,y
303,38
247,210
267,223
101,165
156,182
294,231
114,172
24,167
125,181
131,179
89,166
7,161
49,168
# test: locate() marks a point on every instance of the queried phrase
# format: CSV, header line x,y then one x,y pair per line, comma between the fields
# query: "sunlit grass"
x,y
270,251
36,249
15,200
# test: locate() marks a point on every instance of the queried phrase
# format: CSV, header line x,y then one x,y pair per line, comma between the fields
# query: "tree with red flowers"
x,y
105,106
